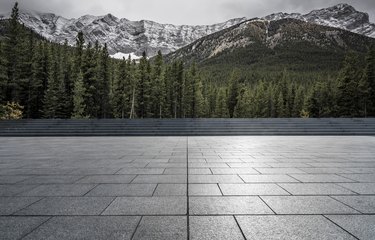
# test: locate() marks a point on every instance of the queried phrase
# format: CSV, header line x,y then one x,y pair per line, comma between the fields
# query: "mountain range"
x,y
125,37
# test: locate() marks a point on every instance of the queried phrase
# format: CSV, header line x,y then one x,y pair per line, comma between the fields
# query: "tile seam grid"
x,y
239,227
136,228
267,205
27,206
39,225
114,198
200,215
340,227
332,197
96,185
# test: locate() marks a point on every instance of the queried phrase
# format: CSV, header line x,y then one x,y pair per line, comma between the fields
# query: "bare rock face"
x,y
133,37
341,16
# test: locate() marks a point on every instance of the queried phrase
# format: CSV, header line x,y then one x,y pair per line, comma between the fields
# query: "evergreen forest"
x,y
49,80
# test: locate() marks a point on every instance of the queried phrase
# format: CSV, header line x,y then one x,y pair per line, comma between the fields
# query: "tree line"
x,y
49,80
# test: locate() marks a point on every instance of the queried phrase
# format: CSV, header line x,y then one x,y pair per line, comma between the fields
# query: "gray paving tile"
x,y
290,227
17,227
252,189
361,177
360,226
160,179
94,171
320,178
204,190
214,179
162,228
9,205
67,206
360,188
227,205
59,190
12,190
315,170
199,171
170,190
208,165
175,171
231,171
107,179
12,179
315,189
278,170
122,190
217,227
51,179
364,204
147,206
87,227
141,171
267,178
307,205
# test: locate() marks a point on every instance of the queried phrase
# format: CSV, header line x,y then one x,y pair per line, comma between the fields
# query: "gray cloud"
x,y
181,12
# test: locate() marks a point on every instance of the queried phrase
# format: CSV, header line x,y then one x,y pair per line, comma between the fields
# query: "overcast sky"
x,y
181,11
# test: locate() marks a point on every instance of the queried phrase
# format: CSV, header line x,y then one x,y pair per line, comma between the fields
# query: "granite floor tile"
x,y
364,204
227,206
361,226
320,178
162,228
214,227
160,179
170,190
214,179
107,179
307,205
147,206
87,227
10,205
59,190
267,179
290,227
122,190
67,206
204,190
315,189
17,227
251,189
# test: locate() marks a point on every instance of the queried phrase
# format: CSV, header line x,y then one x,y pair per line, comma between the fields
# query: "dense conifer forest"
x,y
41,79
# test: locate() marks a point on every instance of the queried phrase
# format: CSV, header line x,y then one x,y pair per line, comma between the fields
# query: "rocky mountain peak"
x,y
133,37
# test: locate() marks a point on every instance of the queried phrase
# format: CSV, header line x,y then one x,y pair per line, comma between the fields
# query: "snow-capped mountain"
x,y
341,16
125,37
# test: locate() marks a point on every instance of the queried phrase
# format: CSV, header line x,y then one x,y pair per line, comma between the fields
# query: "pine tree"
x,y
158,91
90,82
3,74
78,98
11,49
39,75
103,78
370,82
221,110
234,88
54,99
123,91
349,94
143,87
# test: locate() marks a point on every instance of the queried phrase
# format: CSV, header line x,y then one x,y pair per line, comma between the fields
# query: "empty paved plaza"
x,y
187,188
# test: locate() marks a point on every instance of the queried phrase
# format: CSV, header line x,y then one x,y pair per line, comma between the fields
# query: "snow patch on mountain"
x,y
341,16
121,56
124,37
